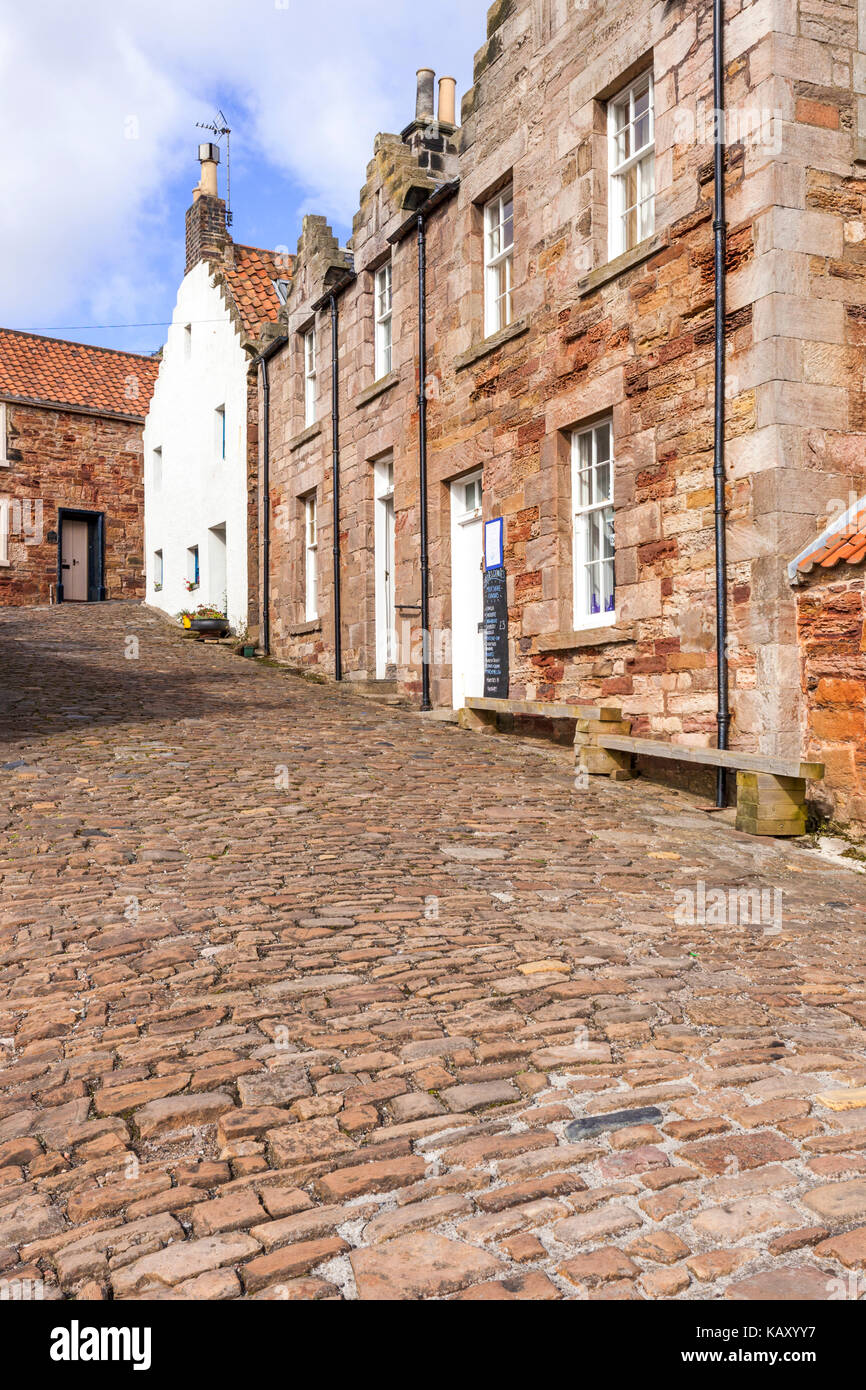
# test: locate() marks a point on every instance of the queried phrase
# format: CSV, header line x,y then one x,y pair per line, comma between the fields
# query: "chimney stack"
x,y
424,102
206,235
447,100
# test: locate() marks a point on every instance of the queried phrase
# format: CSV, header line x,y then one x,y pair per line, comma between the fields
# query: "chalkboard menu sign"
x,y
495,634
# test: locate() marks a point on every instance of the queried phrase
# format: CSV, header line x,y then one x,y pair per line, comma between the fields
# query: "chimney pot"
x,y
424,103
209,158
447,100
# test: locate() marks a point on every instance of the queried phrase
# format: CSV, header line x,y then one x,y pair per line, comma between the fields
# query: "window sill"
x,y
488,345
301,629
305,436
5,564
602,636
383,384
620,264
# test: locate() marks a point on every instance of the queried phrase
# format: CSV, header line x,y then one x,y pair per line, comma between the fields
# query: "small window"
x,y
187,341
157,570
220,431
592,498
4,532
384,304
192,570
631,159
472,495
281,289
311,546
4,458
499,262
310,377
156,469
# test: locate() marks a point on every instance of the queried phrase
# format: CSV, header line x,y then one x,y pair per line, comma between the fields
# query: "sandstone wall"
x,y
62,459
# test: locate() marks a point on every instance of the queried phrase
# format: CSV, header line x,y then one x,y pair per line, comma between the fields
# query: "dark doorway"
x,y
80,556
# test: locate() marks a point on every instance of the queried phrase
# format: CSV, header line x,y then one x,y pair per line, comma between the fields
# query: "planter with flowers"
x,y
205,618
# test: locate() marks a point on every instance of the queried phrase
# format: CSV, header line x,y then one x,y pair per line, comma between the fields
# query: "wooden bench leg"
x,y
768,805
481,721
597,761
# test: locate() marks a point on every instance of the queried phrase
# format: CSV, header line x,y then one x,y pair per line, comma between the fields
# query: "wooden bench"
x,y
771,792
481,714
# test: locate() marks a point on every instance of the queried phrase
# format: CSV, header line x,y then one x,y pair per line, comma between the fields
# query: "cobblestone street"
x,y
300,995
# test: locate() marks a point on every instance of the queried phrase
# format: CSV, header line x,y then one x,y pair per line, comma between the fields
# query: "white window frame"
x,y
158,570
156,468
498,262
187,341
620,167
5,524
384,308
193,568
311,563
587,504
310,377
4,457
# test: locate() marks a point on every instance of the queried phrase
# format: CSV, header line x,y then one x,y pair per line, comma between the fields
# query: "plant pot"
x,y
219,625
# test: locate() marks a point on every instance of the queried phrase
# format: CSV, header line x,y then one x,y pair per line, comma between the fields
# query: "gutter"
x,y
723,714
330,298
265,488
418,221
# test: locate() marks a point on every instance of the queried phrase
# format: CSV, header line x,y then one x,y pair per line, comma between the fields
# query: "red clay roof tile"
x,y
34,368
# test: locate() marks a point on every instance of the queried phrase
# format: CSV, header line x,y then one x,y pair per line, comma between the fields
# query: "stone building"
x,y
200,437
830,579
71,478
570,361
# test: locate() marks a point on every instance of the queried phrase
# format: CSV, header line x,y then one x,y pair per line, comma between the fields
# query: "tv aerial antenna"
x,y
220,127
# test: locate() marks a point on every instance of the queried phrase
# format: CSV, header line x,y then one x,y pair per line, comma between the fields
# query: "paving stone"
x,y
290,1261
591,1125
738,1151
745,1217
231,1213
792,1285
479,1095
184,1260
181,1113
378,1176
595,1225
849,1249
419,1266
27,1217
600,1267
532,1286
838,1201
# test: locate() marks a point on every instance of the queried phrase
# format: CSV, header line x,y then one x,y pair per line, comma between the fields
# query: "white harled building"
x,y
200,453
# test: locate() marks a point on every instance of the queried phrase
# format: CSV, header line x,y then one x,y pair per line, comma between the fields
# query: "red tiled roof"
x,y
33,368
250,279
845,544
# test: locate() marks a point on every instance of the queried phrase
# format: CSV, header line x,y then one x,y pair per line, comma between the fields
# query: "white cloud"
x,y
99,100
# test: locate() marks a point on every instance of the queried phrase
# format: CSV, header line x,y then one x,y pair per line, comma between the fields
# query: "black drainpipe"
x,y
335,472
719,259
422,461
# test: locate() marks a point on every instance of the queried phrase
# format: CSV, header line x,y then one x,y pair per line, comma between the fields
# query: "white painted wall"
x,y
199,490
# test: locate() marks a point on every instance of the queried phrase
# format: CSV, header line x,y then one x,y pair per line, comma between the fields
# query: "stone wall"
x,y
632,339
60,459
831,628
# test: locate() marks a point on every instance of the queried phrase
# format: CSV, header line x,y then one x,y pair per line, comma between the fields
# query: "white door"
x,y
467,591
73,561
386,635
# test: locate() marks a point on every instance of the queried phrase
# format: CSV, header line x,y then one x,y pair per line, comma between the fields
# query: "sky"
x,y
99,102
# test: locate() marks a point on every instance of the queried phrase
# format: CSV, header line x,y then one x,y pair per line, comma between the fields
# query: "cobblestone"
x,y
301,996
